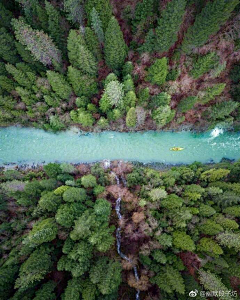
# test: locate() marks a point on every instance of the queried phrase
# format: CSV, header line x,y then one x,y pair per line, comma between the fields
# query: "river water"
x,y
28,145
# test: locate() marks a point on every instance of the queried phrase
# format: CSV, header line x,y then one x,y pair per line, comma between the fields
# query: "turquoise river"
x,y
24,145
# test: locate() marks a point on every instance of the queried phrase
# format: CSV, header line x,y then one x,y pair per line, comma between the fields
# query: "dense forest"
x,y
179,228
120,65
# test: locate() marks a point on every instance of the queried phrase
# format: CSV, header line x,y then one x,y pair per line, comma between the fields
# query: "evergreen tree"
x,y
8,51
96,24
75,11
203,64
157,73
131,117
143,10
34,268
5,16
83,85
30,13
92,43
46,291
38,43
6,83
79,55
208,22
103,7
24,79
54,26
115,48
211,92
59,84
168,27
187,104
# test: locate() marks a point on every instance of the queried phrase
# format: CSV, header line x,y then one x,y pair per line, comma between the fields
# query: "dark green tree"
x,y
8,51
208,22
115,49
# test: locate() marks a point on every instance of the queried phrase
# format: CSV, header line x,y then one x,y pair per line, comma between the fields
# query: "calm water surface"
x,y
24,145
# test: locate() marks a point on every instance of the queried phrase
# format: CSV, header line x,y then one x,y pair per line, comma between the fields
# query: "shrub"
x,y
157,73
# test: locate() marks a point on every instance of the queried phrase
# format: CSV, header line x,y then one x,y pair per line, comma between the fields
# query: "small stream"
x,y
118,232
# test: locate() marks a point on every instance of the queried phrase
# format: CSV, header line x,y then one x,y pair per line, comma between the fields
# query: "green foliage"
x,y
211,92
8,276
93,43
187,104
52,170
50,202
103,8
210,228
59,84
89,181
73,194
222,110
209,246
212,283
38,43
214,174
72,291
97,25
43,231
54,25
106,274
114,93
162,115
34,268
8,51
75,11
157,73
6,16
83,85
169,280
115,49
208,22
131,118
230,240
79,56
24,79
157,194
46,291
203,64
168,27
183,241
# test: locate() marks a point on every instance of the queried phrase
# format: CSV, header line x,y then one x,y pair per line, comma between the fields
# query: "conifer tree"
x,y
59,84
79,55
92,43
54,27
30,13
6,83
203,64
115,48
22,78
168,27
5,17
8,51
82,84
38,43
157,73
96,24
143,9
75,11
131,117
103,7
208,22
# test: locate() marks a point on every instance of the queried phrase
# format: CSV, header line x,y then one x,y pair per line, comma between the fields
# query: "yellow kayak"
x,y
176,149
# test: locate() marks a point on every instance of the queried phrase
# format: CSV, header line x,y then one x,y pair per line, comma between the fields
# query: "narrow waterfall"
x,y
118,232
